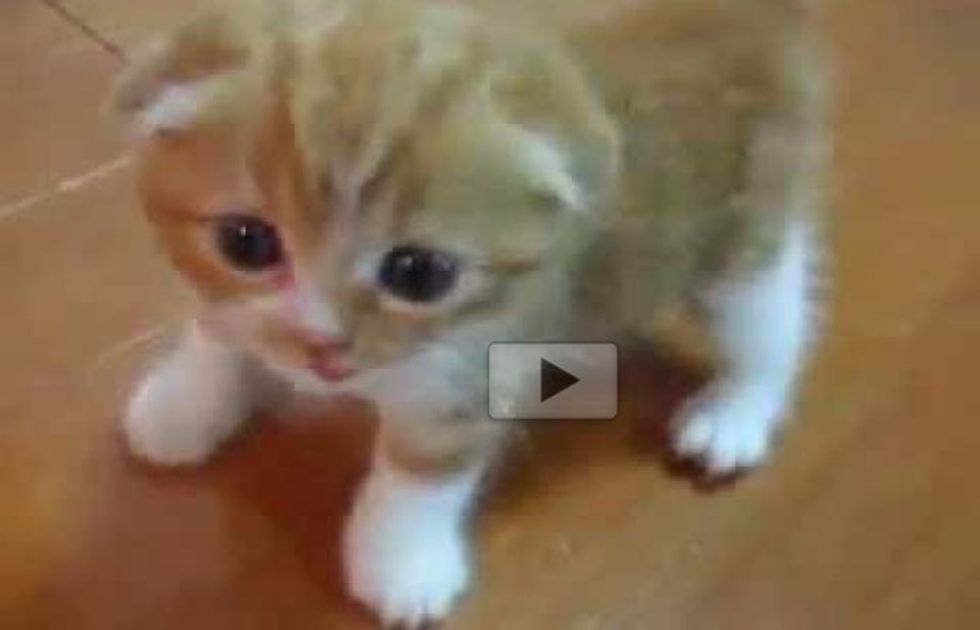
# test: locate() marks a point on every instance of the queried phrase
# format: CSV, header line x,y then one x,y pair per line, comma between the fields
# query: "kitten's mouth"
x,y
331,365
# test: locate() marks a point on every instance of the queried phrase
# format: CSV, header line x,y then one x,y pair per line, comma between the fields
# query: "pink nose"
x,y
329,357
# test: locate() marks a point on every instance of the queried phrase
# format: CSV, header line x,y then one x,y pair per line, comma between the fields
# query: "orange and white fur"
x,y
365,194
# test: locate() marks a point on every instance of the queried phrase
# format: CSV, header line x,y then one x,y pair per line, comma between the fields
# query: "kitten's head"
x,y
346,185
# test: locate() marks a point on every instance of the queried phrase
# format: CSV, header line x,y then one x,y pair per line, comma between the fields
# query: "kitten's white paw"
x,y
172,420
407,582
406,567
727,428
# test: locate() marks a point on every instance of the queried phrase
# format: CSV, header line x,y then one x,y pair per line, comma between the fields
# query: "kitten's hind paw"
x,y
726,429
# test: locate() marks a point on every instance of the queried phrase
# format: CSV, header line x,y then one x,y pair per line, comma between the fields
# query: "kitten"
x,y
365,194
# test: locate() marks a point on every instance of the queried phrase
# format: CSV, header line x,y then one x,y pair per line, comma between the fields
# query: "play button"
x,y
553,380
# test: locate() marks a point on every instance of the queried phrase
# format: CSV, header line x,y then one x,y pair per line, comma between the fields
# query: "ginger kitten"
x,y
366,194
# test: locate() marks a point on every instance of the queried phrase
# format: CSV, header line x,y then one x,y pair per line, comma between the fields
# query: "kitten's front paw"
x,y
726,428
408,571
170,423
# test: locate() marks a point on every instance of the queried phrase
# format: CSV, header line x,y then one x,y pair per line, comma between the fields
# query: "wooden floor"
x,y
869,516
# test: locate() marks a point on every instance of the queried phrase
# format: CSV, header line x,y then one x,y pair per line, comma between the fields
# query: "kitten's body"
x,y
668,154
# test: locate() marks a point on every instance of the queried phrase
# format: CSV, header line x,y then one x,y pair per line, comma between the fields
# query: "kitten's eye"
x,y
248,243
417,274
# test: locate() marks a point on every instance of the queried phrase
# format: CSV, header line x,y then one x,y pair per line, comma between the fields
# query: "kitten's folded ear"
x,y
544,92
167,84
594,157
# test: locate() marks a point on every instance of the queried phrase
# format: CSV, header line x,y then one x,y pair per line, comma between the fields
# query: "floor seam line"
x,y
90,32
63,186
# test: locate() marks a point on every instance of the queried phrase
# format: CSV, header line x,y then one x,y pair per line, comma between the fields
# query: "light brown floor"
x,y
869,516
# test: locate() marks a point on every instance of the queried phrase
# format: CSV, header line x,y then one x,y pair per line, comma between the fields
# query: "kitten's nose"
x,y
321,341
329,356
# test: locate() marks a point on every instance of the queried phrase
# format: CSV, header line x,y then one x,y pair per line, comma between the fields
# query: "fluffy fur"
x,y
669,153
